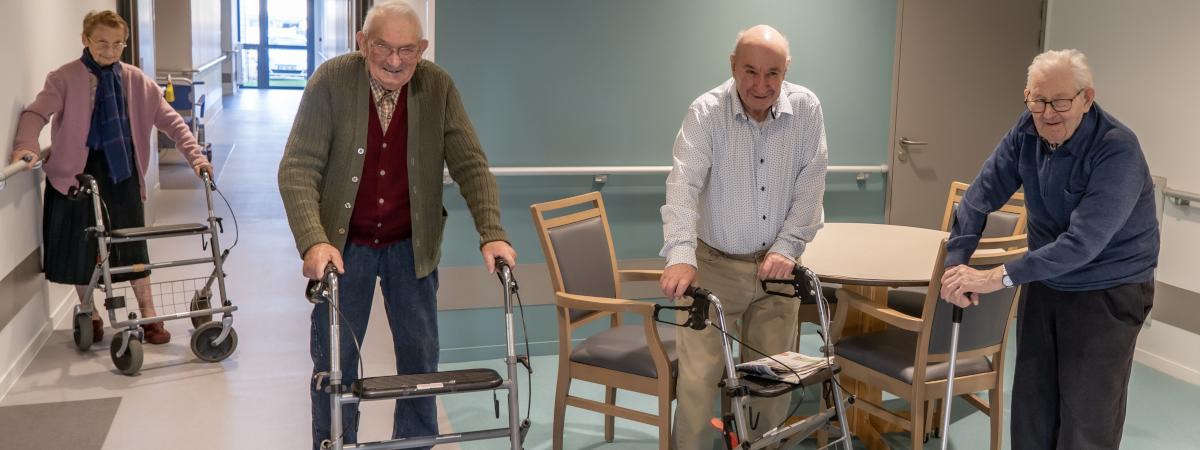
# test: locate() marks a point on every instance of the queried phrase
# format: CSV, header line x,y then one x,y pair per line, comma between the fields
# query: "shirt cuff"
x,y
681,254
789,249
1019,272
959,250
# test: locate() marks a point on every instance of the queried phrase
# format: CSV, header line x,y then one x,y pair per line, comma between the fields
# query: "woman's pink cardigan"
x,y
66,102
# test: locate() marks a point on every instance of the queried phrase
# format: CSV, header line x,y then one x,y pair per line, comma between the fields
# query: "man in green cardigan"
x,y
361,180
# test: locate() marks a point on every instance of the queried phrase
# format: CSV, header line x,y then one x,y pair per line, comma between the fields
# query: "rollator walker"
x,y
191,298
736,424
400,387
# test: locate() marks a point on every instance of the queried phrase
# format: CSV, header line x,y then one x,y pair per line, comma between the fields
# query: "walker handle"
x,y
803,281
317,291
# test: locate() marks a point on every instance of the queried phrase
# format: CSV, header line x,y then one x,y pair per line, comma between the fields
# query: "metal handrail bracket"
x,y
19,166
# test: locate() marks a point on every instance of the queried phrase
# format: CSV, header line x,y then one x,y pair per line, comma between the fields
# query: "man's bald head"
x,y
759,63
764,36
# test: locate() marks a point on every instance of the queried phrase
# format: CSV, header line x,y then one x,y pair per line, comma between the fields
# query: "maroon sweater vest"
x,y
381,210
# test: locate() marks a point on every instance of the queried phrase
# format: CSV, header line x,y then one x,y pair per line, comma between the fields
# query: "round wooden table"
x,y
873,254
868,259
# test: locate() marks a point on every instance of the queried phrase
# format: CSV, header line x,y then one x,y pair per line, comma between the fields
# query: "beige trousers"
x,y
765,322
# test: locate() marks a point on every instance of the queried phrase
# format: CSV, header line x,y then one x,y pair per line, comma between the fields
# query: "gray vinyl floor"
x,y
258,398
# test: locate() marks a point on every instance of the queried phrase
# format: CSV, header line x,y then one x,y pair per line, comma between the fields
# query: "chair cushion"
x,y
909,301
891,352
624,349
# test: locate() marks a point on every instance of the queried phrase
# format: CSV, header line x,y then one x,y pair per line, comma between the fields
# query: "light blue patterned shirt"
x,y
743,186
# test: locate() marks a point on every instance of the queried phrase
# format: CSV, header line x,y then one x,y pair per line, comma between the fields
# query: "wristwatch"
x,y
1004,278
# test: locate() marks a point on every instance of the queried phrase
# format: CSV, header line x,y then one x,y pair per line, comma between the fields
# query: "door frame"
x,y
263,48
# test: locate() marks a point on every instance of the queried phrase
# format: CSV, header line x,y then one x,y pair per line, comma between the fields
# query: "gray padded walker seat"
x,y
159,231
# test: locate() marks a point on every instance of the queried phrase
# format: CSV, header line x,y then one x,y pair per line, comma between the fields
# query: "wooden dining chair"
x,y
910,357
639,357
1009,220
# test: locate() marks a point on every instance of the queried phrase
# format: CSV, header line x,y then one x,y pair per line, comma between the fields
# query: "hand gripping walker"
x,y
738,387
398,387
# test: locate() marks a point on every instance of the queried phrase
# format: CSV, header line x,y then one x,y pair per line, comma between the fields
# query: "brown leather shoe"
x,y
97,330
156,334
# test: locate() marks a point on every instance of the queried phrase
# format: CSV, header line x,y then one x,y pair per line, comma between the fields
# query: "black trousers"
x,y
1074,354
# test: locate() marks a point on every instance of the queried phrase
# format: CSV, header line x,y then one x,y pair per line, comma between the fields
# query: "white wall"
x,y
187,35
39,36
1144,55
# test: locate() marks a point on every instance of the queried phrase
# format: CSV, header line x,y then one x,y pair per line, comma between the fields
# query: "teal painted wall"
x,y
606,82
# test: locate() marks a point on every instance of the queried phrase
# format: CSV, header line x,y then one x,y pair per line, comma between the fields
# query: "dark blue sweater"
x,y
1092,220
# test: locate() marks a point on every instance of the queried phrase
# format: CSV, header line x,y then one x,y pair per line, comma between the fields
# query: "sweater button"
x,y
347,206
354,179
361,151
341,231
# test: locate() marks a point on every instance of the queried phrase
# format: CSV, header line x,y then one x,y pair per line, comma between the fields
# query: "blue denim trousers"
x,y
411,305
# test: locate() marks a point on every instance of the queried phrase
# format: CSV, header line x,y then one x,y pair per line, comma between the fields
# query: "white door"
x,y
960,77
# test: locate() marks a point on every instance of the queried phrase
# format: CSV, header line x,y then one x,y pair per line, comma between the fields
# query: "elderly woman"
x,y
101,112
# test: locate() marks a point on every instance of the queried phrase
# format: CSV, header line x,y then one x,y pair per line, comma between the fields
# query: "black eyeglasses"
x,y
1059,104
382,50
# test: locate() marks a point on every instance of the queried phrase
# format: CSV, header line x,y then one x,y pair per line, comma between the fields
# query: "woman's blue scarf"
x,y
109,131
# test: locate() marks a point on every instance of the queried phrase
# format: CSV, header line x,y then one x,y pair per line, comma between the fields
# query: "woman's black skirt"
x,y
69,256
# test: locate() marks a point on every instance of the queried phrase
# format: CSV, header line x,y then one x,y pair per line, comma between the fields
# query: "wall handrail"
x,y
600,173
1181,198
19,166
200,69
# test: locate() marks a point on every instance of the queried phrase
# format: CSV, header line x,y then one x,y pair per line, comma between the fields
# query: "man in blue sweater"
x,y
1089,273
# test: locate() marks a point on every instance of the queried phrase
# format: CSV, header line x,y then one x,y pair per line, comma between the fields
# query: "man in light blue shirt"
x,y
743,198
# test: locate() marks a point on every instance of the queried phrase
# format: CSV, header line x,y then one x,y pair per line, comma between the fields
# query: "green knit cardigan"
x,y
324,155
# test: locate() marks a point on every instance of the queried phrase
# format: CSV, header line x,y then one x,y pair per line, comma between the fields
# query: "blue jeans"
x,y
411,305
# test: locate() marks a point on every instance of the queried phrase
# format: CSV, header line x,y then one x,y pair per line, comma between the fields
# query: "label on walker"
x,y
430,386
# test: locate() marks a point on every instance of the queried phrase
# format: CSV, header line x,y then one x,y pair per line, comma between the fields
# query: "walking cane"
x,y
957,319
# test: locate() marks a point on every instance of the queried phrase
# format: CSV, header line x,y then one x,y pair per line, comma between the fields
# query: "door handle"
x,y
902,152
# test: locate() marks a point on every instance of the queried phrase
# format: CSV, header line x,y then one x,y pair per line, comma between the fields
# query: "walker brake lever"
x,y
803,286
697,311
316,292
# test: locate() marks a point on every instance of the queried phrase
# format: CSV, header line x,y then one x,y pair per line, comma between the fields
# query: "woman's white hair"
x,y
1069,58
392,8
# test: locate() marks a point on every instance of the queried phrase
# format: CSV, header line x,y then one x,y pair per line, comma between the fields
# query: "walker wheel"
x,y
129,363
202,342
199,302
82,331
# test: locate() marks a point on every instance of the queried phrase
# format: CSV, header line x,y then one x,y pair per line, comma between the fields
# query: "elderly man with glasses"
x,y
361,180
1089,274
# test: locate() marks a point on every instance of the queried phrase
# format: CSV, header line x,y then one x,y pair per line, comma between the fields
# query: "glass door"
x,y
276,43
